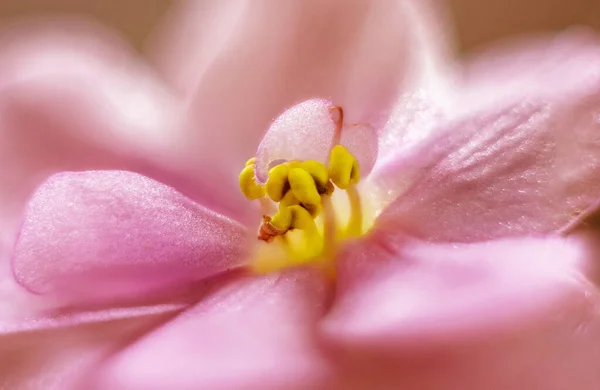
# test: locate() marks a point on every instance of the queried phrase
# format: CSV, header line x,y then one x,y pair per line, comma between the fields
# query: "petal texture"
x,y
112,234
242,64
250,333
525,160
73,97
62,358
308,131
497,315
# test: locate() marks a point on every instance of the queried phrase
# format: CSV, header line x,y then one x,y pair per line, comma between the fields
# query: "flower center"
x,y
300,225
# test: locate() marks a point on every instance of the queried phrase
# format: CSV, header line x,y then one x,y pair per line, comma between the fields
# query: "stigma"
x,y
300,225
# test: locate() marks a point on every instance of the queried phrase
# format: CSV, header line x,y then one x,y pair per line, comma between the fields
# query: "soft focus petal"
x,y
514,314
118,234
308,131
429,93
248,333
520,161
73,98
243,63
60,358
531,64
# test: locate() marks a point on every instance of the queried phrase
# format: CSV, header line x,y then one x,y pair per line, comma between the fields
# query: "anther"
x,y
250,188
282,220
302,220
289,199
317,170
303,187
286,219
277,185
343,167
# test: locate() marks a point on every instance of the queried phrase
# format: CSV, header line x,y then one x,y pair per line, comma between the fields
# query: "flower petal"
x,y
510,314
524,160
308,131
429,90
112,234
250,333
244,63
538,64
72,97
60,358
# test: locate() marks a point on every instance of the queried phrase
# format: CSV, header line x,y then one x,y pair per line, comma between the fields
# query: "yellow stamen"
x,y
317,170
301,219
250,188
299,249
303,186
282,219
289,199
343,167
355,224
302,190
277,184
329,228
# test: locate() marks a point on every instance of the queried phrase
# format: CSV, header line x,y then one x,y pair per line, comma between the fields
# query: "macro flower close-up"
x,y
298,195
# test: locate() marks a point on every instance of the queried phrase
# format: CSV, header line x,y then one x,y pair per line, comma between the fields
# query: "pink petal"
x,y
243,64
308,131
429,89
513,314
112,234
248,333
531,64
523,160
61,358
72,97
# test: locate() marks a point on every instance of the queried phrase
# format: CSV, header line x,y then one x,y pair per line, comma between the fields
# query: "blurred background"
x,y
476,21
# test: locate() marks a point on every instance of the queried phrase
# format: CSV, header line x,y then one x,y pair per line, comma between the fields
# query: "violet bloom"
x,y
133,265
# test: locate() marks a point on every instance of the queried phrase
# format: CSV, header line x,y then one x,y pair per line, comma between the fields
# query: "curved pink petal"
x,y
302,132
73,98
112,234
513,314
243,63
521,160
308,131
250,333
62,357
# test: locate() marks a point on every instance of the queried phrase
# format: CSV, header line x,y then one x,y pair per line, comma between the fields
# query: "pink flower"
x,y
470,276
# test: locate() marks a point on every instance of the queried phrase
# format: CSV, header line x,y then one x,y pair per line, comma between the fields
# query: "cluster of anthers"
x,y
304,224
